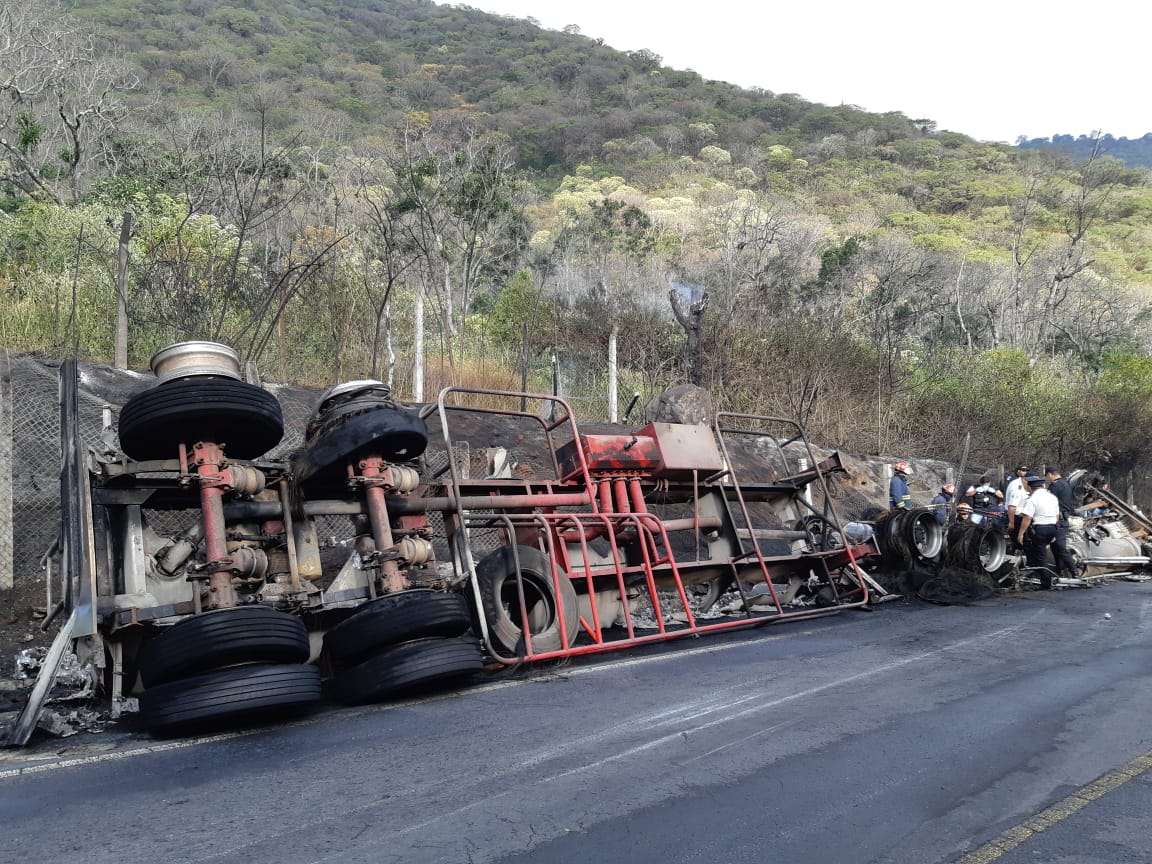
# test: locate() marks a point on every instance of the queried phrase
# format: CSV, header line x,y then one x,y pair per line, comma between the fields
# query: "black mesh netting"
x,y
952,585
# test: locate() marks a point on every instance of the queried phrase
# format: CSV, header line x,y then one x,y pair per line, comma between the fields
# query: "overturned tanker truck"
x,y
400,548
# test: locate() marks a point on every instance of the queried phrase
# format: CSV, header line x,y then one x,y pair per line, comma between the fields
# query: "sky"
x,y
991,70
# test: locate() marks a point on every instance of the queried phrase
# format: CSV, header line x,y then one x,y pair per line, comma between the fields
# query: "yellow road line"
x,y
1058,812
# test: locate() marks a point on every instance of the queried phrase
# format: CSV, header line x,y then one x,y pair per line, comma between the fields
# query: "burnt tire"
x,y
230,697
976,546
243,418
397,618
500,595
225,637
411,666
910,537
390,433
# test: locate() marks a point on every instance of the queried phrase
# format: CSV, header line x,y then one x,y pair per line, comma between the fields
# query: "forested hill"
x,y
1136,152
346,67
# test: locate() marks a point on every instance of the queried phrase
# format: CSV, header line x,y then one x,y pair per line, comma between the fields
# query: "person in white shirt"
x,y
1037,528
1016,480
1016,496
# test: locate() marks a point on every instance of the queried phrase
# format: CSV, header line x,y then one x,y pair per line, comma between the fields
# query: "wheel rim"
x,y
993,550
186,359
927,538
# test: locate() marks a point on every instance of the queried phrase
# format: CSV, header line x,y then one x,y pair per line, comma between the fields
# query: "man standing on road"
x,y
898,495
1062,490
1037,528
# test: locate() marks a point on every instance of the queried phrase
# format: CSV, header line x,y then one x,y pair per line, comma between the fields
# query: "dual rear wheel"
x,y
229,666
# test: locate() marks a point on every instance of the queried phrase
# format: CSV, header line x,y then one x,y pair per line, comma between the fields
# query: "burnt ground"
x,y
21,615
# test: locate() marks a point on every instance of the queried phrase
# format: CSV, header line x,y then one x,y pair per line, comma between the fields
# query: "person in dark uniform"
x,y
1062,490
941,502
898,496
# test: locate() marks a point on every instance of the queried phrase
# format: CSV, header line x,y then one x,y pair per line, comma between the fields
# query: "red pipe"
x,y
636,492
621,496
209,459
376,477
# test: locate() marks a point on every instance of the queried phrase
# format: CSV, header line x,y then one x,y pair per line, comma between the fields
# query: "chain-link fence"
x,y
30,455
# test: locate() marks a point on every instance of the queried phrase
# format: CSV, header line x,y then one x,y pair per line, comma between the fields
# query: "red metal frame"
x,y
613,489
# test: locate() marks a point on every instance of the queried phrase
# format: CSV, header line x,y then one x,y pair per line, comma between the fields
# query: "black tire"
x,y
225,637
404,668
230,697
976,546
391,433
397,618
496,574
242,417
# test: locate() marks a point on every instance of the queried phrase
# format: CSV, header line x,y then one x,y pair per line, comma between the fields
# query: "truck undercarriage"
x,y
403,548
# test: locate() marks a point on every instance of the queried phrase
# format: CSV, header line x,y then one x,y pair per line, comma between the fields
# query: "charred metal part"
x,y
169,562
290,535
415,550
250,564
247,480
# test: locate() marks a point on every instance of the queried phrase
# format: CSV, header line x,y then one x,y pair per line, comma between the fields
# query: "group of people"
x,y
1033,509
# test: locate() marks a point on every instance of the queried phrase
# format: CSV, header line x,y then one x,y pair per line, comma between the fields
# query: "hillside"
x,y
353,65
432,195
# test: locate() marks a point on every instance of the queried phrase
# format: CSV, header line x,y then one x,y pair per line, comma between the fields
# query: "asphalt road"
x,y
1018,729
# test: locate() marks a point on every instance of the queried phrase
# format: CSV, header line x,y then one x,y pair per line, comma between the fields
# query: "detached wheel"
x,y
245,419
500,594
230,697
404,668
976,547
923,534
397,618
991,550
225,637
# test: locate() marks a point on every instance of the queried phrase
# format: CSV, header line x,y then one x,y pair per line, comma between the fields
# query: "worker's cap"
x,y
902,467
1051,469
1033,480
963,507
1021,467
948,488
